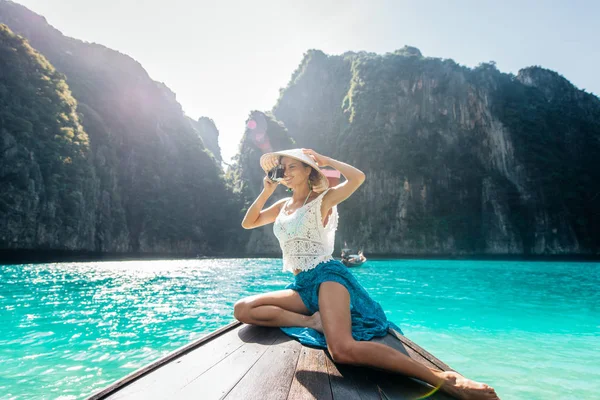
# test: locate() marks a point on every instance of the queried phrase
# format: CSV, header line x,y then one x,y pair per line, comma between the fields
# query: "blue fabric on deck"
x,y
368,318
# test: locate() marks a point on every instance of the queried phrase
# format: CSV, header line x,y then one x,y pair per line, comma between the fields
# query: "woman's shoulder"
x,y
281,202
326,199
316,197
323,194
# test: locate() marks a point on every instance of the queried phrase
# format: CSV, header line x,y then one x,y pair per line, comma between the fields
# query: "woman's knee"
x,y
342,351
241,310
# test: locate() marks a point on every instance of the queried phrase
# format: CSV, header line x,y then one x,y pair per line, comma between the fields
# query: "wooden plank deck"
x,y
249,362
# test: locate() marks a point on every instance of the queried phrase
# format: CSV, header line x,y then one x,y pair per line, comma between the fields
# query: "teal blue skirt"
x,y
368,318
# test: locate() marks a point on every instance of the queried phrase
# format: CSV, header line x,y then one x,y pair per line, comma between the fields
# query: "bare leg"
x,y
334,305
279,308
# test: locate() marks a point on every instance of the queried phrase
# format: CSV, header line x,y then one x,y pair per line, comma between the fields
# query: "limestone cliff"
x,y
47,180
95,155
208,132
458,160
158,189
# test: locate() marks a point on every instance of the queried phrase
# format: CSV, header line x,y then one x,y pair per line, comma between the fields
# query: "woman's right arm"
x,y
256,216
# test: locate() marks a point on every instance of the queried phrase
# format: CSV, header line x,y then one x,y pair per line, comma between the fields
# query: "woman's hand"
x,y
269,185
321,160
271,163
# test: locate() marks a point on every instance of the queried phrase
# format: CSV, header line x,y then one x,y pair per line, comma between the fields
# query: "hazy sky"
x,y
225,58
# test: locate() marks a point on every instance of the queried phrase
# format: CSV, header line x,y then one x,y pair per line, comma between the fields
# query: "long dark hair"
x,y
314,175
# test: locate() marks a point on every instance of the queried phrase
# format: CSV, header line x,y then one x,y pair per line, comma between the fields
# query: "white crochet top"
x,y
304,241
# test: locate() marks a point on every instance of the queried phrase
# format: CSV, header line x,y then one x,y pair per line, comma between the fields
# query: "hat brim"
x,y
269,161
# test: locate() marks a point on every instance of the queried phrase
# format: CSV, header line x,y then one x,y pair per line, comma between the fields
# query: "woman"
x,y
325,298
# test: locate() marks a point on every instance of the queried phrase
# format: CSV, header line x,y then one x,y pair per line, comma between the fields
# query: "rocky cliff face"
x,y
48,184
208,132
458,160
157,186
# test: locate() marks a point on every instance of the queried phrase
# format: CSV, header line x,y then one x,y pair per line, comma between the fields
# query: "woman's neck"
x,y
300,194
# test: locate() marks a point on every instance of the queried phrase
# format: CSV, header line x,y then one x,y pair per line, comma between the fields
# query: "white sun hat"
x,y
269,161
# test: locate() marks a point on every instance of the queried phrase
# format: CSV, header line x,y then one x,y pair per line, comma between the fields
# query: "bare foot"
x,y
316,322
466,389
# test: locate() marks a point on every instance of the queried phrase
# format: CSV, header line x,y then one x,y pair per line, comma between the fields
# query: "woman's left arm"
x,y
354,178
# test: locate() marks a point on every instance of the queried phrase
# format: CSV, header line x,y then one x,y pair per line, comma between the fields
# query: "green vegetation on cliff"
x,y
208,132
159,190
47,179
458,160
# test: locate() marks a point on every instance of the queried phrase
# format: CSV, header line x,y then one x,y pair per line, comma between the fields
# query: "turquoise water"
x,y
530,329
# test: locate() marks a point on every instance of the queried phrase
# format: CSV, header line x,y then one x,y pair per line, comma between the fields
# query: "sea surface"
x,y
530,329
